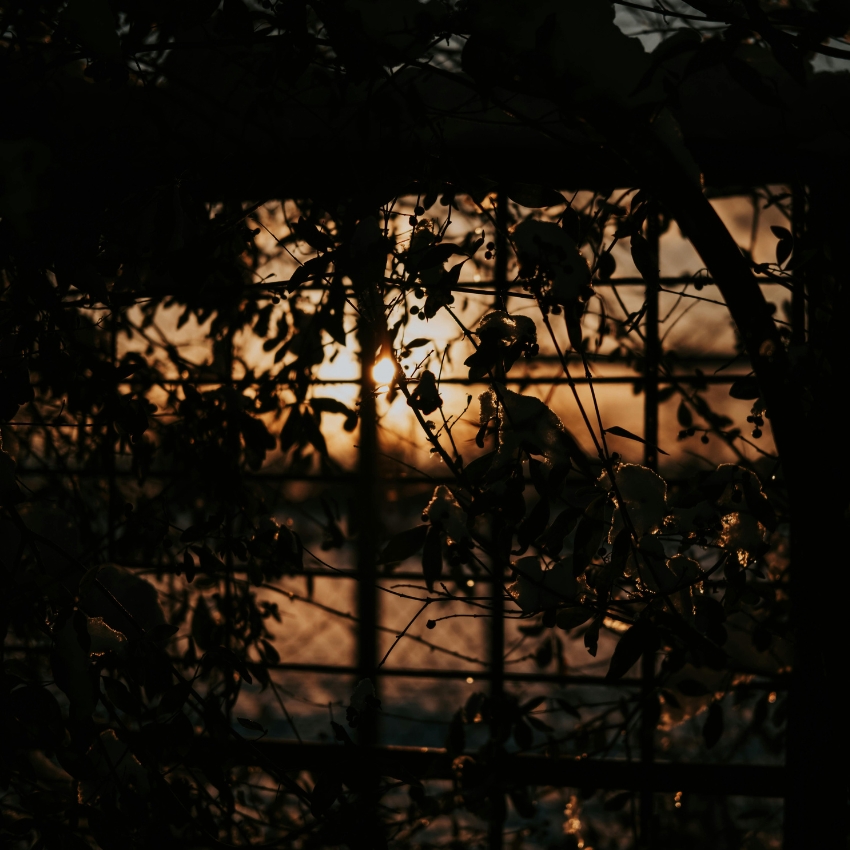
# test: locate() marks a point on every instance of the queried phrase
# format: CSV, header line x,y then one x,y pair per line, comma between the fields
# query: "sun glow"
x,y
383,371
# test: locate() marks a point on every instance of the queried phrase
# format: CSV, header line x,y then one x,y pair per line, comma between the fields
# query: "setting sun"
x,y
383,371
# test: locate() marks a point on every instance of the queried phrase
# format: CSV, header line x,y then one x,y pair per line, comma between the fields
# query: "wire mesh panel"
x,y
286,478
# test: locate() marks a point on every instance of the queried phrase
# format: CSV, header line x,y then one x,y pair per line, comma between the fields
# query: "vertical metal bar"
x,y
500,270
652,354
232,442
497,621
112,481
366,506
798,291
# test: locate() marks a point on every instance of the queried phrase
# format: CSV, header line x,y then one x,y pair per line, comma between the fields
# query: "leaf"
x,y
246,723
188,566
684,415
534,702
120,696
588,534
313,434
291,431
533,196
417,343
533,525
438,254
591,636
784,248
569,708
404,545
315,238
617,431
780,232
330,405
432,557
573,326
644,258
92,24
606,265
692,688
269,651
161,632
759,505
324,794
553,538
641,637
570,618
203,624
426,397
713,728
745,388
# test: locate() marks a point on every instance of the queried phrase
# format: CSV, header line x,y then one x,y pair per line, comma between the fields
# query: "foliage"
x,y
143,145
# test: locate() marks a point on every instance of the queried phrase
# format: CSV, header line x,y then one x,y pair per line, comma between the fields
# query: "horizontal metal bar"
x,y
484,675
463,674
618,379
527,379
516,769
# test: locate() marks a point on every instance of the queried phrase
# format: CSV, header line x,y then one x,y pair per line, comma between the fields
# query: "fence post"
x,y
652,354
497,602
366,508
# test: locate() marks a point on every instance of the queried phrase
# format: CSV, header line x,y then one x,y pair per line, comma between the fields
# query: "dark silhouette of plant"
x,y
156,157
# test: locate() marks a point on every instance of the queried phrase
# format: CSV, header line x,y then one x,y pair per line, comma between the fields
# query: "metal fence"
x,y
646,775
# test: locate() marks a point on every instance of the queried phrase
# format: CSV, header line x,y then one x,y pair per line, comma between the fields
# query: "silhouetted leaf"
x,y
712,730
640,638
591,637
617,431
426,397
324,794
432,557
745,388
692,688
403,545
530,195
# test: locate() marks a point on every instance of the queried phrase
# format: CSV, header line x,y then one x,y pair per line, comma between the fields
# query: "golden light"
x,y
383,371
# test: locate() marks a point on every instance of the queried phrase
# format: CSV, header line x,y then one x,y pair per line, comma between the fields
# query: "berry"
x,y
419,210
490,246
412,221
488,255
756,433
414,310
418,292
704,439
